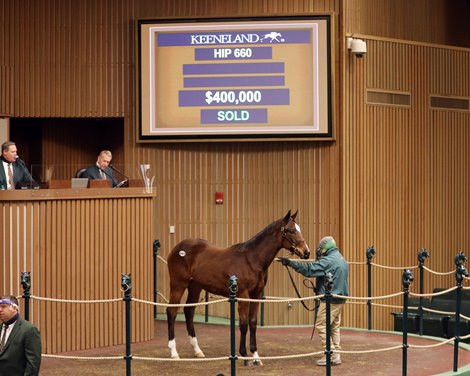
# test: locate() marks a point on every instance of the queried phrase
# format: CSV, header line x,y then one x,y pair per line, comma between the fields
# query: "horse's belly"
x,y
218,283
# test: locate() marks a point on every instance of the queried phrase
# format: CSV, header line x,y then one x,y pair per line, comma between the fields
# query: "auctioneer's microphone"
x,y
119,172
19,160
28,179
109,175
126,178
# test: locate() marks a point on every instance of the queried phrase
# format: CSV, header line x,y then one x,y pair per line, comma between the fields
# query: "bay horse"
x,y
195,264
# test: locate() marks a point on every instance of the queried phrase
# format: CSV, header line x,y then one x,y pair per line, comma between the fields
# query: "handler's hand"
x,y
284,261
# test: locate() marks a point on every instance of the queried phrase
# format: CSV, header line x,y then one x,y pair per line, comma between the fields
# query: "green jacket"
x,y
332,262
22,353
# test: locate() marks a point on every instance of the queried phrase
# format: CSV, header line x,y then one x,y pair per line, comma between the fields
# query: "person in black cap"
x,y
329,260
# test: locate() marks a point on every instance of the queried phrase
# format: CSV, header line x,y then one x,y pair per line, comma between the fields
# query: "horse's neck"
x,y
266,252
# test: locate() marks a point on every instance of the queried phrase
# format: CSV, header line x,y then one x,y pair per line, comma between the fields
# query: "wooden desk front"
x,y
76,243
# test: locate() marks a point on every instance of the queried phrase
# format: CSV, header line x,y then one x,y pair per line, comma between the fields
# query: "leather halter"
x,y
293,245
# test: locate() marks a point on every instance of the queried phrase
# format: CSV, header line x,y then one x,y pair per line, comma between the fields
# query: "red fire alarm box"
x,y
219,198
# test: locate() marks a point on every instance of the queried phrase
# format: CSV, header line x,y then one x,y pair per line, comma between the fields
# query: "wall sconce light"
x,y
357,46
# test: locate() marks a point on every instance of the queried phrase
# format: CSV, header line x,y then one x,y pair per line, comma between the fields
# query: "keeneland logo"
x,y
273,36
250,38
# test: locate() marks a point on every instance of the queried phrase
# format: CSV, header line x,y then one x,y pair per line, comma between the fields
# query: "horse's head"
x,y
292,238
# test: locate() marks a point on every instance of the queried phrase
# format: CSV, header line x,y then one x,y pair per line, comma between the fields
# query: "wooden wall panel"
x,y
76,249
74,57
6,90
409,163
432,21
258,190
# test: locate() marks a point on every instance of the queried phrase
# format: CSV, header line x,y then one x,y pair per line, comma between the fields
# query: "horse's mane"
x,y
256,240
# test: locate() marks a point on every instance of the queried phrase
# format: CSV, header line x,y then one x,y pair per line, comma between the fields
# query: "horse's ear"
x,y
287,217
295,214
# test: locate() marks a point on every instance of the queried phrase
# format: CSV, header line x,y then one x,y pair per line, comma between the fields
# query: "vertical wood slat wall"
x,y
76,249
76,59
6,85
261,188
406,185
71,58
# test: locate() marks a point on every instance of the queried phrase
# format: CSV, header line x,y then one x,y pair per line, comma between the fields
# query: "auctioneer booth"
x,y
76,243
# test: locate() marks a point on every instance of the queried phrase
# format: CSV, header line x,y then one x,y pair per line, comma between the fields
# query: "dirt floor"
x,y
214,340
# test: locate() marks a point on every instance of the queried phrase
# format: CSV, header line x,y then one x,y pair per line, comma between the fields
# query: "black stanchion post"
x,y
126,285
206,307
370,253
26,284
156,247
328,288
406,280
460,272
261,323
422,256
233,288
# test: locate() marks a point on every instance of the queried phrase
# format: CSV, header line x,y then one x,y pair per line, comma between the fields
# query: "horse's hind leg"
x,y
171,312
193,297
253,321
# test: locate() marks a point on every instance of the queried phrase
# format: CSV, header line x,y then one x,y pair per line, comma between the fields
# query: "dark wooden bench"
x,y
443,325
436,324
464,324
412,322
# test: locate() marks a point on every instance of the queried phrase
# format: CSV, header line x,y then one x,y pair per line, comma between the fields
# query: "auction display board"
x,y
235,79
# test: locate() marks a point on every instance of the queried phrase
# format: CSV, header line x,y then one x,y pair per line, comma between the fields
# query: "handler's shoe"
x,y
335,360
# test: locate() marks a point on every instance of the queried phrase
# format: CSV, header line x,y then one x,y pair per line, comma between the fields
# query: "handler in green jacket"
x,y
20,342
329,260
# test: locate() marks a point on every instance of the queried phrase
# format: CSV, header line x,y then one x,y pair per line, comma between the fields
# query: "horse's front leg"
x,y
253,320
243,324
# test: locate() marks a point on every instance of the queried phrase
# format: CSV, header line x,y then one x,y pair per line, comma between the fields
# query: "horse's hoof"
x,y
200,354
175,356
257,362
247,363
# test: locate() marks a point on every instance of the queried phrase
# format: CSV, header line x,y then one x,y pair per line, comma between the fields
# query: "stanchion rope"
x,y
76,301
434,293
163,297
278,300
438,273
394,267
179,305
181,359
82,357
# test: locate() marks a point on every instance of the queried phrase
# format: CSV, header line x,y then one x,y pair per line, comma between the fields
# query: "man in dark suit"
x,y
101,169
12,170
20,342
